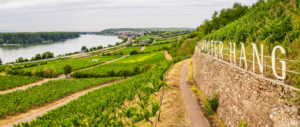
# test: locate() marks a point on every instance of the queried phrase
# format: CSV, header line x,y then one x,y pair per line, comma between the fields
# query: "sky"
x,y
97,15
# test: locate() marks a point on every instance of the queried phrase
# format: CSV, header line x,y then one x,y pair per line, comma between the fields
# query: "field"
x,y
156,47
11,81
127,50
75,63
105,106
128,63
19,101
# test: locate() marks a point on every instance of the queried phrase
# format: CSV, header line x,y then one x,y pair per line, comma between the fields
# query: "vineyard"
x,y
20,101
75,63
11,81
141,63
127,50
271,23
105,106
152,48
123,103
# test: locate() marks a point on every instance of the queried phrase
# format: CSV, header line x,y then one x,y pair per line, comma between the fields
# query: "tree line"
x,y
38,37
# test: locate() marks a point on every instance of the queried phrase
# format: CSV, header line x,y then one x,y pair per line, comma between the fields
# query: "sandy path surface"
x,y
39,111
195,114
168,56
143,48
59,77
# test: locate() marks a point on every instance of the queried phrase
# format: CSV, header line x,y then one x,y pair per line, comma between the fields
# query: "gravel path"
x,y
195,113
143,48
167,55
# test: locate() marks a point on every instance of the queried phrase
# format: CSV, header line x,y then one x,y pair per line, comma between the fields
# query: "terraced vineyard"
x,y
20,101
127,50
156,47
75,63
11,81
104,107
123,103
127,63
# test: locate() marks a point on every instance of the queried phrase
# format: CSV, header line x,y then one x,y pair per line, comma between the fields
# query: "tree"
x,y
67,69
111,72
37,57
100,47
134,52
0,61
83,48
19,60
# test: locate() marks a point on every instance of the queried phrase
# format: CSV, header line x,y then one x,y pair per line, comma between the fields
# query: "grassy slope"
x,y
75,63
156,47
129,62
7,82
127,50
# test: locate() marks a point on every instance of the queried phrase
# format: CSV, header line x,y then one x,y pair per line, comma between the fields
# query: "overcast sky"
x,y
96,15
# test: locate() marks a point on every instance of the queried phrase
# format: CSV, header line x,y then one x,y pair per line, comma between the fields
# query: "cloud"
x,y
96,15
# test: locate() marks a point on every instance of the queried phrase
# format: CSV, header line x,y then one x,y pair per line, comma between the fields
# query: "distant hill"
x,y
110,31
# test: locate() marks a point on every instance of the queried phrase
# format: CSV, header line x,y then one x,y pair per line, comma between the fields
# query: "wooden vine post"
x,y
287,35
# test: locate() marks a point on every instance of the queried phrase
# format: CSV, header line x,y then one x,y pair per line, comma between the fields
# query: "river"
x,y
9,53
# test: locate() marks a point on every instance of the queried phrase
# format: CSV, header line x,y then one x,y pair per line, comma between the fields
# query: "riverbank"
x,y
9,53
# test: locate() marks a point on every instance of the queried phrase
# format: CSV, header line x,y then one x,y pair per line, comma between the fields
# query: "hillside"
x,y
111,31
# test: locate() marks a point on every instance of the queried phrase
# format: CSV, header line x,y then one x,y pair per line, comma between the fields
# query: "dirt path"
x,y
168,56
195,113
143,48
59,77
39,111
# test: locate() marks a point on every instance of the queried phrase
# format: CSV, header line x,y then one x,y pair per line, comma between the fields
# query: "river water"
x,y
9,53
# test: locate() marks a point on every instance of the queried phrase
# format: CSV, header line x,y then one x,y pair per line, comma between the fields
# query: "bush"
x,y
7,69
121,53
49,72
136,69
111,72
36,73
214,102
27,73
124,73
146,68
207,110
134,52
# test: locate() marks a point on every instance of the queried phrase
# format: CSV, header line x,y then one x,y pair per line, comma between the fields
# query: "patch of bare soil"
x,y
168,56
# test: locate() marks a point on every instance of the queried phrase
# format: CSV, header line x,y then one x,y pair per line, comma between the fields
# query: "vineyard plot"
x,y
128,63
105,106
11,81
75,63
22,100
156,47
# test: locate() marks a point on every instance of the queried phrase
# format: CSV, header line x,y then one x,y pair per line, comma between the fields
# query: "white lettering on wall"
x,y
282,62
232,51
255,54
211,48
243,56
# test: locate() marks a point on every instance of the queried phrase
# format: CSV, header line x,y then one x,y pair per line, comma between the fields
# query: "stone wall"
x,y
244,95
